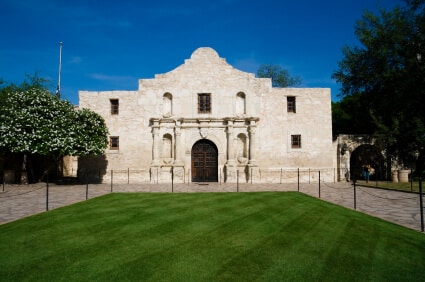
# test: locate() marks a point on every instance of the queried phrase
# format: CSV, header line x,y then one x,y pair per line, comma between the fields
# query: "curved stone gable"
x,y
204,53
206,64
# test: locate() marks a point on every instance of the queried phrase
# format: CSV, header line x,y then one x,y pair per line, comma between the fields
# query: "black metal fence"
x,y
366,198
166,174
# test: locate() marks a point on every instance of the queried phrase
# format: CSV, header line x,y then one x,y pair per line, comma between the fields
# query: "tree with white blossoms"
x,y
33,121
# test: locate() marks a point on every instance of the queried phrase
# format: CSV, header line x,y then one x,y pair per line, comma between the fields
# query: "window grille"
x,y
114,106
204,103
291,104
114,143
296,141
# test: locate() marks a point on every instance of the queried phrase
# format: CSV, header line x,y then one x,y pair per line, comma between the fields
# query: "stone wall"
x,y
249,123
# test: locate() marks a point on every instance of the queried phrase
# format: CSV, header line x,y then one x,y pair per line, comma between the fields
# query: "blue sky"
x,y
109,45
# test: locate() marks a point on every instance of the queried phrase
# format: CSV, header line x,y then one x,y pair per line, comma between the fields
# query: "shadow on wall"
x,y
17,168
92,169
10,167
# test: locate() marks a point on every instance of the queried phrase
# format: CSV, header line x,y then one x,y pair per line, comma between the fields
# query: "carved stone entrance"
x,y
354,151
204,162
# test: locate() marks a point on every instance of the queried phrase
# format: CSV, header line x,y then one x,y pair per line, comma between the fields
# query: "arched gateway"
x,y
204,161
356,151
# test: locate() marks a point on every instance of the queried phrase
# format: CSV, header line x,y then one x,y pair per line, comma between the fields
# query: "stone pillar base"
x,y
344,175
394,176
254,174
403,175
24,177
167,174
178,174
230,174
154,172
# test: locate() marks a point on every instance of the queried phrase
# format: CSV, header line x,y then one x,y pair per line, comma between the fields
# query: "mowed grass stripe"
x,y
208,237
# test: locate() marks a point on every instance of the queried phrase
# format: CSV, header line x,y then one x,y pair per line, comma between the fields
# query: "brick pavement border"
x,y
19,201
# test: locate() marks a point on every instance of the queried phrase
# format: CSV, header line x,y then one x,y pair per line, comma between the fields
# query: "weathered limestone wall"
x,y
204,72
130,125
248,123
312,121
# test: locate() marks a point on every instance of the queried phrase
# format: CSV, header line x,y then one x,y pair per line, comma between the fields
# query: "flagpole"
x,y
58,90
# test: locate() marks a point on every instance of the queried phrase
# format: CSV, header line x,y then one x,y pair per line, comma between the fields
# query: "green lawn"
x,y
269,236
401,186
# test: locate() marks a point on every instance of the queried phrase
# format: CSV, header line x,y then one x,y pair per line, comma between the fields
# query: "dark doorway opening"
x,y
204,162
368,155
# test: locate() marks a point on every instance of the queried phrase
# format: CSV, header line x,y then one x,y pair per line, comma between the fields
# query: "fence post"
x,y
47,192
309,176
421,204
354,185
87,187
112,178
251,175
280,176
334,175
172,179
411,180
319,183
237,180
298,179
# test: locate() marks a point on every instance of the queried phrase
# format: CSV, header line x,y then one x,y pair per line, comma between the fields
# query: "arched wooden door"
x,y
204,162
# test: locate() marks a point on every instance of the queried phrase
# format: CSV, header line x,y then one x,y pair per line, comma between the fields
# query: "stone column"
x,y
178,147
155,145
253,169
252,144
230,174
230,153
345,165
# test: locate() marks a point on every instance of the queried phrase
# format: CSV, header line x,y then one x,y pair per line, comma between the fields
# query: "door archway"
x,y
367,154
204,161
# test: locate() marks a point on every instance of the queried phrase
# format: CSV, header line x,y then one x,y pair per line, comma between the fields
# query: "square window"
x,y
114,106
296,141
114,143
291,104
204,103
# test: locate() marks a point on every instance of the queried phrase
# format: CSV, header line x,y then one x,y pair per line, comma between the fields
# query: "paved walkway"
x,y
18,201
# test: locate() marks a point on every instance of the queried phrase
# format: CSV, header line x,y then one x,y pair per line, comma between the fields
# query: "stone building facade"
x,y
207,121
355,151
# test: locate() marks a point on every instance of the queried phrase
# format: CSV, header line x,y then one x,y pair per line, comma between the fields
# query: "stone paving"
x,y
18,201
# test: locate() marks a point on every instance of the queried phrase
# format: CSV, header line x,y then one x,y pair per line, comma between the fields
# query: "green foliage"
x,y
91,137
30,81
352,116
271,236
280,77
384,78
33,121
